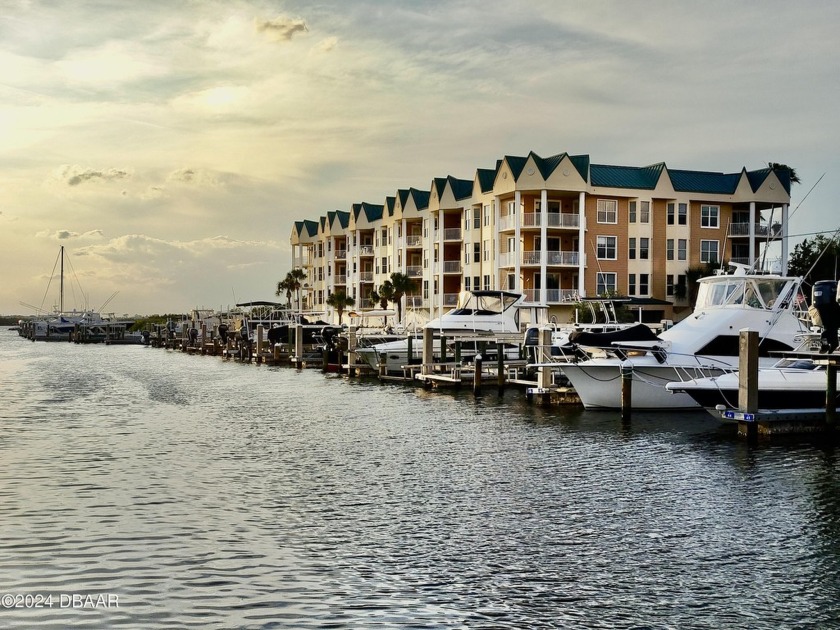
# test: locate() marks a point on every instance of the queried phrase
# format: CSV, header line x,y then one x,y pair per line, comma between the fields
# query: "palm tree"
x,y
401,284
284,287
339,301
384,295
794,178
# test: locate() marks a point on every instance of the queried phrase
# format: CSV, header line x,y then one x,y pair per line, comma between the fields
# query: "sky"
x,y
170,145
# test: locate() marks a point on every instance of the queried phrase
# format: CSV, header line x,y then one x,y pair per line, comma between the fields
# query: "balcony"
x,y
563,258
535,220
341,254
366,276
550,296
760,230
450,300
414,240
366,250
452,234
340,281
414,271
563,220
534,257
451,266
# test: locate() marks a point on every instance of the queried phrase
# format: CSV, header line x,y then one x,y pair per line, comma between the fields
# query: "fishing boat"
x,y
702,345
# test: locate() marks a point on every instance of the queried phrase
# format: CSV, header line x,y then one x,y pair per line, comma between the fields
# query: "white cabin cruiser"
x,y
482,312
704,344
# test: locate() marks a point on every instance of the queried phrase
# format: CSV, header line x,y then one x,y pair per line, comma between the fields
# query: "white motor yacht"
x,y
704,344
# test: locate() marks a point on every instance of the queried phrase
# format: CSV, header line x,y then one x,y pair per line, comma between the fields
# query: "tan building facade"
x,y
557,229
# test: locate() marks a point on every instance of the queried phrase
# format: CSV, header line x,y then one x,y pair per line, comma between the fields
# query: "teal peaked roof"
x,y
486,177
390,202
307,226
461,188
644,177
373,212
705,182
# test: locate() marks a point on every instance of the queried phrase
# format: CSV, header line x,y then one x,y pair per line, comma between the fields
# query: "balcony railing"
x,y
550,296
340,280
450,299
451,266
563,258
366,276
760,230
366,250
341,254
534,257
414,240
452,234
563,220
535,219
414,271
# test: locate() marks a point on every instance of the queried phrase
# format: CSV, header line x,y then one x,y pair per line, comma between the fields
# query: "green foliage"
x,y
815,259
290,285
339,301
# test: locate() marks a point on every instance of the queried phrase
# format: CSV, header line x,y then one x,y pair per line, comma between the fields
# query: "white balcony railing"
x,y
414,271
563,258
341,254
450,299
366,276
414,240
366,250
452,234
340,280
550,296
451,266
531,219
563,220
760,230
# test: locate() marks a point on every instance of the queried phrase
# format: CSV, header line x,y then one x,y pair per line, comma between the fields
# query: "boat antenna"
x,y
805,197
113,295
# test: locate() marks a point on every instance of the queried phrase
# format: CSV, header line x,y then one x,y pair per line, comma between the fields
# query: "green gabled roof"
x,y
372,211
343,218
308,226
548,165
486,178
421,198
390,202
461,188
704,182
323,222
298,227
642,177
757,178
402,195
356,208
581,164
516,164
439,184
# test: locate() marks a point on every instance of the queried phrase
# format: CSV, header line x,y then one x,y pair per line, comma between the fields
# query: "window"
x,y
671,209
644,212
644,248
425,289
486,250
487,214
467,283
477,218
669,249
708,251
631,284
605,283
476,283
709,216
631,214
644,284
606,248
466,253
607,211
476,252
631,249
682,249
467,218
681,282
683,214
669,284
384,264
486,283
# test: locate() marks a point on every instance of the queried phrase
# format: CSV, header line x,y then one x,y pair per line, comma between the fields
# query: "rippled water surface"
x,y
199,493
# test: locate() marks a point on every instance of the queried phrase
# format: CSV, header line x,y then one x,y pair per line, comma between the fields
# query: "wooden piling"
x,y
544,374
626,391
299,346
831,395
500,368
260,332
428,351
748,381
477,374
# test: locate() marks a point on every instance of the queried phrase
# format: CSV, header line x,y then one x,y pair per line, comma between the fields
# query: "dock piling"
x,y
626,391
748,380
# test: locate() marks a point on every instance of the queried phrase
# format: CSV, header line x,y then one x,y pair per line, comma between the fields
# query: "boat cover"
x,y
639,332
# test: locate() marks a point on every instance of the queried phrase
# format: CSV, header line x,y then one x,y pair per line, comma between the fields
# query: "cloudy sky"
x,y
170,145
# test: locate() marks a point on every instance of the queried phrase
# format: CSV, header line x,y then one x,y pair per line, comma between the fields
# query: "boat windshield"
x,y
484,304
762,293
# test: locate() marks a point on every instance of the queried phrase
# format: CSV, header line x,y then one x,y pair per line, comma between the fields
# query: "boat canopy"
x,y
485,302
761,292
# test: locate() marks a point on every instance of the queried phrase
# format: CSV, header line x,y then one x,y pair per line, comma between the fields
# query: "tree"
x,y
402,284
794,178
339,301
383,295
285,287
292,283
815,259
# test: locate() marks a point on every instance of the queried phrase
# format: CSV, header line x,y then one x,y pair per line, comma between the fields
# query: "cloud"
x,y
327,45
194,177
64,235
75,175
281,29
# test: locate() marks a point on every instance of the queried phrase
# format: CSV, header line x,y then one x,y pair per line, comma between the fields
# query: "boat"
x,y
793,387
482,312
702,345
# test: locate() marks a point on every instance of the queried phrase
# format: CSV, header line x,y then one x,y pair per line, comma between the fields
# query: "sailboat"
x,y
61,324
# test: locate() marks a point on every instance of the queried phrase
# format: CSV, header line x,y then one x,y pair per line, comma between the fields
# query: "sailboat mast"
x,y
61,288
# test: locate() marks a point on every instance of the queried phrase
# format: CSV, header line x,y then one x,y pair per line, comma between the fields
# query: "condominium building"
x,y
556,229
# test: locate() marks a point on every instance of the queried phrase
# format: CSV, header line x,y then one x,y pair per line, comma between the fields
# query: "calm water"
x,y
205,494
